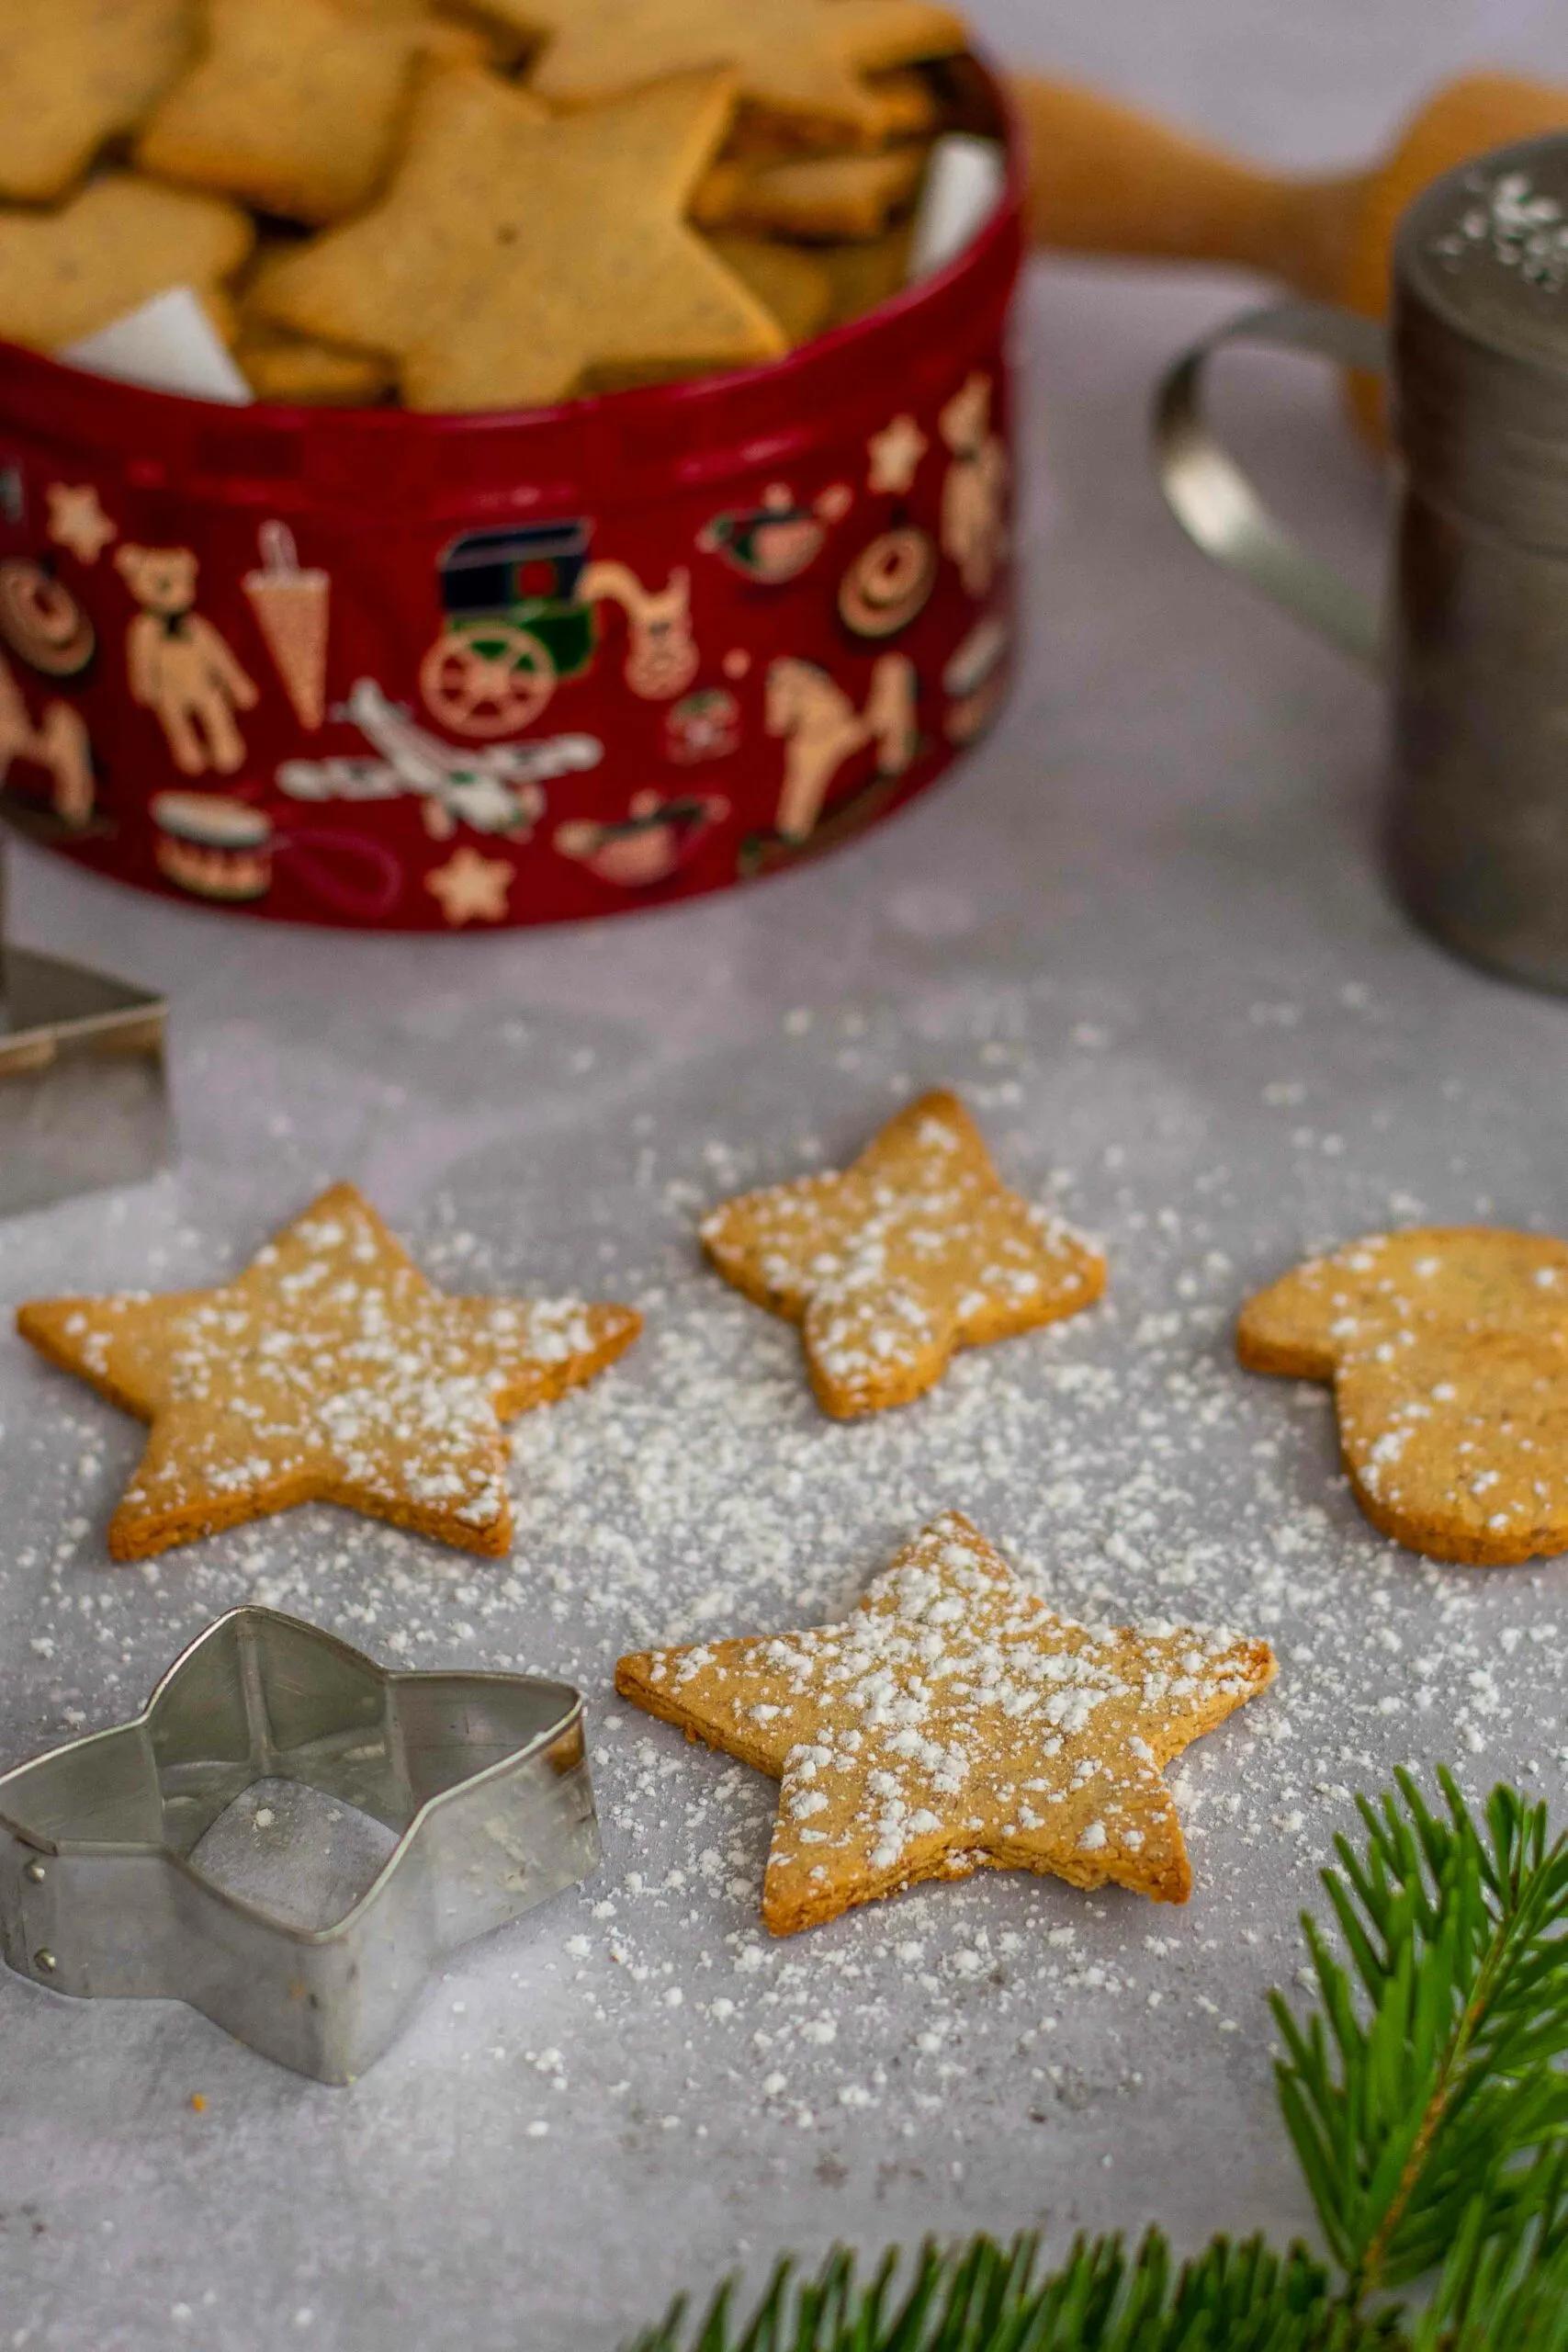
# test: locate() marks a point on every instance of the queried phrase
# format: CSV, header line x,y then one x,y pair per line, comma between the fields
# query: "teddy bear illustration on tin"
x,y
178,664
974,491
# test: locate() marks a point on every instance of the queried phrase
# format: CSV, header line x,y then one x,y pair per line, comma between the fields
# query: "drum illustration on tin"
x,y
221,848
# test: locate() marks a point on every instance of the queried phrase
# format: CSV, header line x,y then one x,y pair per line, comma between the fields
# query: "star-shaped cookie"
x,y
954,1723
67,272
76,73
294,105
1447,1353
329,1370
513,255
804,61
915,1250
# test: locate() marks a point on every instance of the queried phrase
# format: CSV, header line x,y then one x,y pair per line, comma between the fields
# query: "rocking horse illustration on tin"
x,y
822,729
57,745
521,614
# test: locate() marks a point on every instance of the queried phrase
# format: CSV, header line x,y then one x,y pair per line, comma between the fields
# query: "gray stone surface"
x,y
1145,930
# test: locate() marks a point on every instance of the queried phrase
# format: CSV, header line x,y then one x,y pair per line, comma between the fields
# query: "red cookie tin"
x,y
401,672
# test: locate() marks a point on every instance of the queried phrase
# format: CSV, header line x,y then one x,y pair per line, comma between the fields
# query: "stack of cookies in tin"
x,y
496,204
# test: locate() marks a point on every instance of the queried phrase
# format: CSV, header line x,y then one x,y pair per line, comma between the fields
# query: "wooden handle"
x,y
1105,179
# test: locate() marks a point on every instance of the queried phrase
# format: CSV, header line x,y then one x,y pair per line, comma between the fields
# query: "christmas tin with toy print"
x,y
391,670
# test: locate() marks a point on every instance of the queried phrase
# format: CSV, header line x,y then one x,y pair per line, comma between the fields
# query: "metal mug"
x,y
1476,643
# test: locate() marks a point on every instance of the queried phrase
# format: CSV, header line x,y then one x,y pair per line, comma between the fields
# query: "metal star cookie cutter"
x,y
483,1776
83,1090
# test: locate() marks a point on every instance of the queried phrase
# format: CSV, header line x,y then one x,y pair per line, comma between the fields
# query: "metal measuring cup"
x,y
1475,648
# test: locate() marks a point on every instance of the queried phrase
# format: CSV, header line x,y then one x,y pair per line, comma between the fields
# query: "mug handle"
x,y
1217,506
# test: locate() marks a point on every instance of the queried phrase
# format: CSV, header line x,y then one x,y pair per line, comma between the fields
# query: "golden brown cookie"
x,y
908,106
124,239
329,1370
819,198
298,368
793,286
915,1250
952,1723
75,73
1446,1349
863,276
513,254
801,61
295,105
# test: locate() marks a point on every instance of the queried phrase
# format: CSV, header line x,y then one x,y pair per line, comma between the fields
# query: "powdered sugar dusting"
x,y
330,1367
1522,229
964,2055
913,1251
952,1718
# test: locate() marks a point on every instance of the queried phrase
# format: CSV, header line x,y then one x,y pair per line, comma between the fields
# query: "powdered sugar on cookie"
x,y
953,1722
1448,1352
329,1370
913,1251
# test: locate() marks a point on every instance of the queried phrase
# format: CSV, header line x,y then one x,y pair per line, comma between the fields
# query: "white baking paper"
x,y
168,344
962,188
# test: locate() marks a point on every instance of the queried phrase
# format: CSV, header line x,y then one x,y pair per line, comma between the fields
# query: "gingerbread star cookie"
x,y
952,1723
329,1370
293,104
804,61
915,1250
819,199
65,274
1447,1350
75,73
513,254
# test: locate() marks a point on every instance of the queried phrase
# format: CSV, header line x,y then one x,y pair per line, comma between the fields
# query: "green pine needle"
x,y
1505,2289
986,2298
1429,2074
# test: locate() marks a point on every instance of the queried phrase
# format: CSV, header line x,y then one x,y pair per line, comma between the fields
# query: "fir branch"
x,y
986,2298
1430,2076
1506,2289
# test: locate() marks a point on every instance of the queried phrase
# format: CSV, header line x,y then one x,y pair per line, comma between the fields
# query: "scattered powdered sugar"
x,y
1121,1462
1519,228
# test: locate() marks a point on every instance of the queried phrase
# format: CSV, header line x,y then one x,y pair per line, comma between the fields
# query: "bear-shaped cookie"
x,y
1447,1350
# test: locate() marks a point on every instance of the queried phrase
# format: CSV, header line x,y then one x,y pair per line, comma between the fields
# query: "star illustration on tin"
x,y
913,1251
952,1723
108,1886
895,453
470,888
77,521
328,1371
